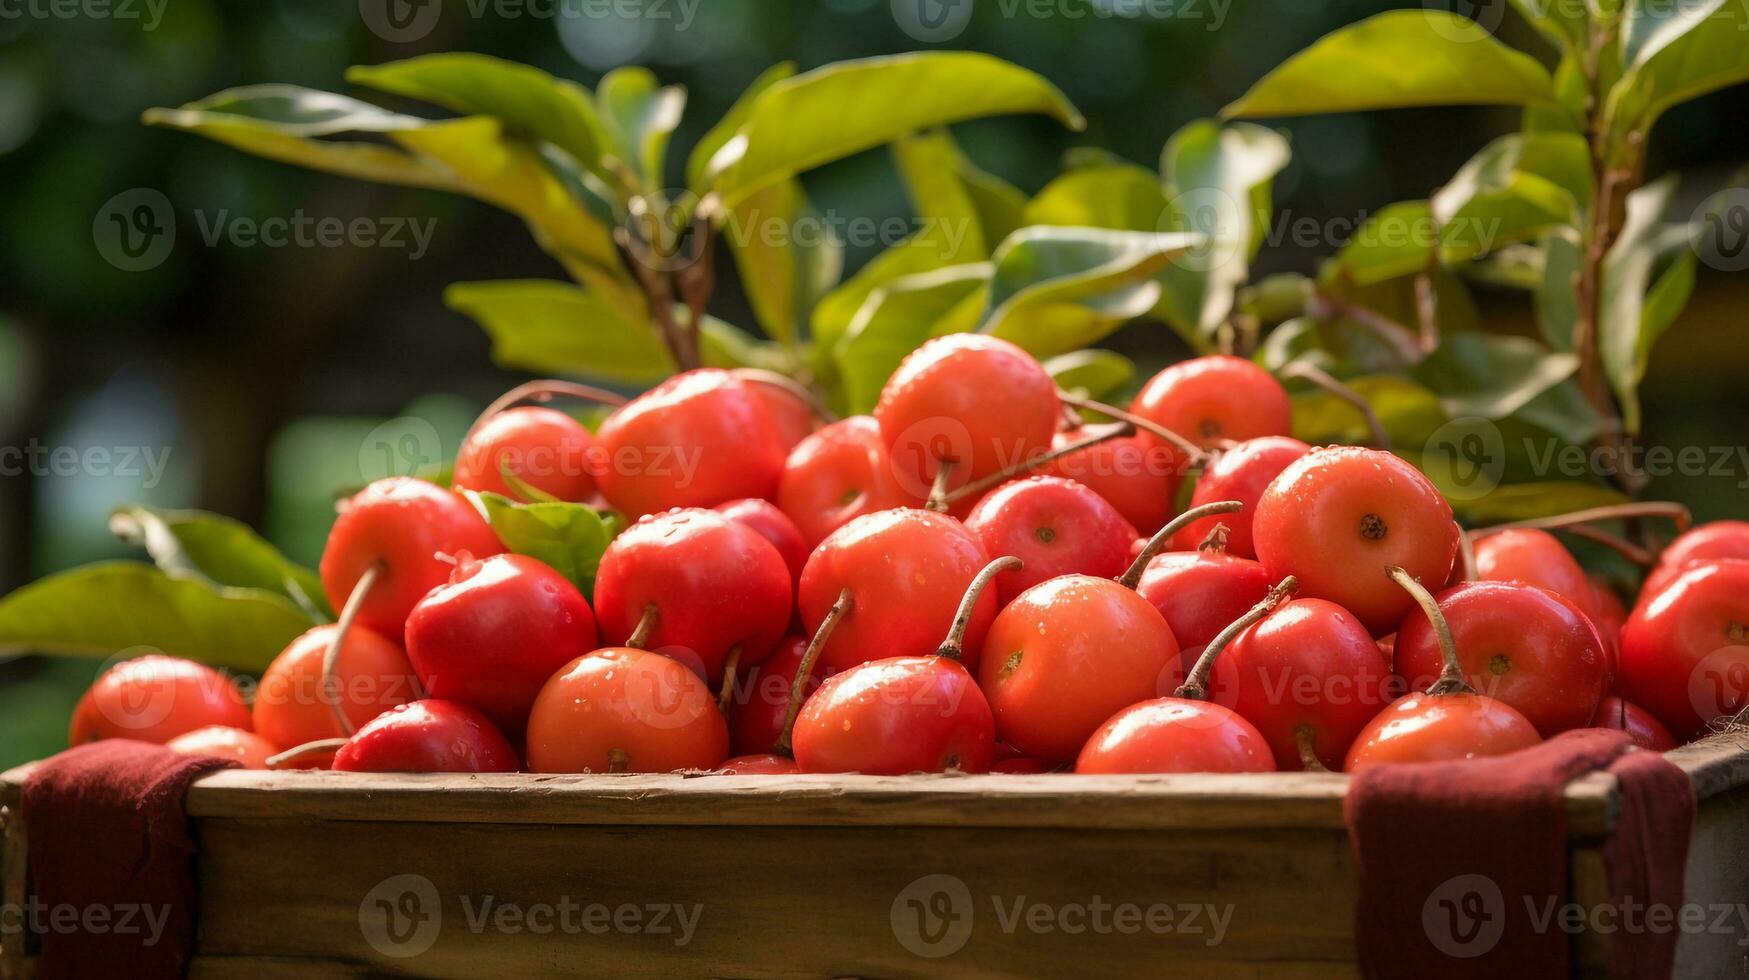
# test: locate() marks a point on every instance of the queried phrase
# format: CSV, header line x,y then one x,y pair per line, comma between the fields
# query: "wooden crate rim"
x,y
1716,765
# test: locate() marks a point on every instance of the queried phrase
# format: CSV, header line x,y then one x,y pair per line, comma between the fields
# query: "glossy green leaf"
x,y
550,327
835,311
569,537
556,110
1528,501
1552,169
1557,298
1092,373
896,319
1123,197
1397,59
1650,26
724,345
1060,289
929,165
1397,240
698,163
1409,412
1563,23
1709,55
293,125
640,115
104,609
1491,376
787,256
219,551
1625,332
998,203
844,108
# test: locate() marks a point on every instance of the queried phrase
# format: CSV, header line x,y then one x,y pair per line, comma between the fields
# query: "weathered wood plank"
x,y
820,901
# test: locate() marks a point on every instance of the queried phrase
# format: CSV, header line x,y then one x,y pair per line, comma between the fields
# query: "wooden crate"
x,y
828,875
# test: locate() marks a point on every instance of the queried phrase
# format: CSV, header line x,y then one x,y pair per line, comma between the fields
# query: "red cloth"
x,y
1463,865
111,860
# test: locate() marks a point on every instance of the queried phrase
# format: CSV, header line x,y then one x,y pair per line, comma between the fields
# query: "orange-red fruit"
x,y
544,448
371,676
1645,729
896,716
1429,728
839,474
402,525
247,749
154,699
1167,735
1137,477
1211,399
1708,542
1066,655
1055,527
625,710
979,401
1241,473
1337,518
1685,652
696,440
766,764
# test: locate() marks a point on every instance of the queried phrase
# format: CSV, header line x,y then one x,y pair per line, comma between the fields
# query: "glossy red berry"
x,y
1337,518
774,526
399,526
247,749
715,586
1200,592
1068,654
760,702
791,417
427,736
492,635
1211,399
1685,652
1708,542
1055,527
896,716
544,448
1167,735
980,402
371,675
1138,478
764,764
1645,729
625,710
1433,728
154,699
1241,473
667,448
839,474
906,571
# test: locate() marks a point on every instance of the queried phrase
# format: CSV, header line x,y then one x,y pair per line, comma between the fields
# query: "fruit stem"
x,y
1216,541
1197,455
953,648
1615,512
1621,546
544,390
1467,556
1317,377
1156,544
997,479
331,656
772,379
728,688
308,748
1451,675
806,669
1196,684
938,490
640,637
1309,760
521,490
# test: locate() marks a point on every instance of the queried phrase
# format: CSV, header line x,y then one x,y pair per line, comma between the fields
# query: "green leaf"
x,y
1409,412
104,609
640,115
219,551
835,311
1397,59
292,125
998,203
1565,24
1092,373
929,165
556,110
1491,376
1397,240
1557,299
1511,191
786,255
1632,311
1218,179
698,163
724,345
569,537
550,327
1528,501
1124,197
895,320
844,108
1708,56
1060,289
1650,26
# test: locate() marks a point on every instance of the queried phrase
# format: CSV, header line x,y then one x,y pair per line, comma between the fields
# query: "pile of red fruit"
x,y
972,579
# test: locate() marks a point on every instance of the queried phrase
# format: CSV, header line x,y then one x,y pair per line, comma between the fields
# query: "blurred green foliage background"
x,y
256,374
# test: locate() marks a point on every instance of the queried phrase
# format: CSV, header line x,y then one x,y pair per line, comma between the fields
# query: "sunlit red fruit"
x,y
1337,518
371,675
1211,400
625,710
1708,542
666,448
1137,477
977,401
154,699
774,526
896,716
766,764
401,526
760,699
839,474
543,448
493,634
246,749
1433,728
1685,652
906,571
1640,725
1200,592
428,736
1175,735
1241,473
1055,527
